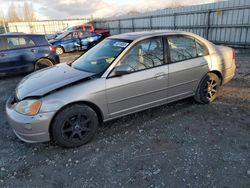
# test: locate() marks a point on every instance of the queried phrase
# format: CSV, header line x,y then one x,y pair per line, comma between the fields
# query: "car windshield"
x,y
97,59
64,34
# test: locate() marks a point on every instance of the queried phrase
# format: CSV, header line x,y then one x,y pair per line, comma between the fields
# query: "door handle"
x,y
33,50
160,75
2,54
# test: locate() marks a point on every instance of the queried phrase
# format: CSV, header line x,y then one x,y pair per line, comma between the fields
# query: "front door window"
x,y
145,55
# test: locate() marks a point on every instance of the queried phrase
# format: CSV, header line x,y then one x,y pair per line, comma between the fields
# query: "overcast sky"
x,y
61,9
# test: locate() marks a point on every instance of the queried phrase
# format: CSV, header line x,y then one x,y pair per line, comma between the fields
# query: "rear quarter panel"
x,y
223,62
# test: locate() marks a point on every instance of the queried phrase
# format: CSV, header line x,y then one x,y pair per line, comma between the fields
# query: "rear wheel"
x,y
43,63
74,126
208,89
59,50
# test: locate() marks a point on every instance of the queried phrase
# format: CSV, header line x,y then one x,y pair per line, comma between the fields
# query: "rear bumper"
x,y
229,74
54,58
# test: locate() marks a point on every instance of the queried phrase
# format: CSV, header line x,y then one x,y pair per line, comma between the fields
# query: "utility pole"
x,y
3,22
5,29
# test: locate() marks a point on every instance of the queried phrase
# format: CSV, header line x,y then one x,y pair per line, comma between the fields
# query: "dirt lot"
x,y
182,144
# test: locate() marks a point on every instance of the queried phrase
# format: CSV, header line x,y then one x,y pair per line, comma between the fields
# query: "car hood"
x,y
51,41
47,80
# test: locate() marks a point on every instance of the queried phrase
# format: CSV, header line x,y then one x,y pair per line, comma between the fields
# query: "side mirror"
x,y
123,69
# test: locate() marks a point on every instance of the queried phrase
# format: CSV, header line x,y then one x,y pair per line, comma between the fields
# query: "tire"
x,y
43,63
74,126
208,88
59,50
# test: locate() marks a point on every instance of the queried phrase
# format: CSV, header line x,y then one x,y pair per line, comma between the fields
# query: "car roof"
x,y
143,34
71,31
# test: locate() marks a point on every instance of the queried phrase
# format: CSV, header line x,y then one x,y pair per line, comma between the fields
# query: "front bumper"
x,y
31,129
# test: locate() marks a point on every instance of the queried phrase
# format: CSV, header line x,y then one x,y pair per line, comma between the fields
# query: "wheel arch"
x,y
89,104
47,58
205,76
218,73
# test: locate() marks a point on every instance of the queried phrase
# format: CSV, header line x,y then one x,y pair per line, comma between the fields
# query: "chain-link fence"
x,y
42,27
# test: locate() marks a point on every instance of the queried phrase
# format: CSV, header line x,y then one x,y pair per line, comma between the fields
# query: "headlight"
x,y
28,107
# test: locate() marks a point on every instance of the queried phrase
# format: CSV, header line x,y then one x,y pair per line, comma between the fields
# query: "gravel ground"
x,y
182,144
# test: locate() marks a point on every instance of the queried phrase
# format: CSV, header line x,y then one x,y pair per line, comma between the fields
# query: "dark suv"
x,y
21,52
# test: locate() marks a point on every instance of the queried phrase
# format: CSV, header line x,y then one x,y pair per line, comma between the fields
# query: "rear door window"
x,y
201,49
19,42
3,43
181,48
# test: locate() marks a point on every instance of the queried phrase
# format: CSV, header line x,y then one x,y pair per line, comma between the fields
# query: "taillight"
x,y
52,48
233,55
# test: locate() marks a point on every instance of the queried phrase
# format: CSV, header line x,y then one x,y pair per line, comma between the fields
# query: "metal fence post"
x,y
151,22
174,21
119,26
106,24
44,29
208,23
133,24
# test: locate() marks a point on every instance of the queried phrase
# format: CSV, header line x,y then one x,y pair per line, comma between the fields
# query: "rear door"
x,y
145,86
21,53
188,64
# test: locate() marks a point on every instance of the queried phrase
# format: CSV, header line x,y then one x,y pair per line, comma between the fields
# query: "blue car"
x,y
21,52
70,41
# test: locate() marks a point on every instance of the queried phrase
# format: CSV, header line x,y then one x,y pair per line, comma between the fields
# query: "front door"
x,y
71,42
145,86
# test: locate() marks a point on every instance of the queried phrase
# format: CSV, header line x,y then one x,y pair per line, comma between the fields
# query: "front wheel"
x,y
208,88
74,126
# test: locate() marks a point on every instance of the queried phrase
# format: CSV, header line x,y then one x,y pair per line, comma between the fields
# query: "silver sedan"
x,y
123,74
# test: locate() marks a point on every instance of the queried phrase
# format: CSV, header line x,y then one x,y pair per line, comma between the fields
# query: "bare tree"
x,y
132,12
24,12
28,12
2,21
176,4
12,14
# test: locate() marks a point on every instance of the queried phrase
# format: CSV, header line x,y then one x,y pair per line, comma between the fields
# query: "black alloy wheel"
x,y
74,125
208,89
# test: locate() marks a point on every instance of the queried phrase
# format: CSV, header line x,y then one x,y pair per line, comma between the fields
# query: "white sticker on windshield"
x,y
120,44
